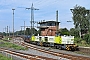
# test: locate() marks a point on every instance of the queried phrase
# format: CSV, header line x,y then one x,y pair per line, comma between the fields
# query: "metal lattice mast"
x,y
32,17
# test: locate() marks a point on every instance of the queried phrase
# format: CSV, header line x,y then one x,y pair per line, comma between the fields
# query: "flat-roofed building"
x,y
48,28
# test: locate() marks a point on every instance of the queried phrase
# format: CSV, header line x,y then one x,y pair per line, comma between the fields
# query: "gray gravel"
x,y
35,52
38,53
63,51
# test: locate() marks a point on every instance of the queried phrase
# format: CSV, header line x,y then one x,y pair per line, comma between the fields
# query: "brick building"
x,y
48,28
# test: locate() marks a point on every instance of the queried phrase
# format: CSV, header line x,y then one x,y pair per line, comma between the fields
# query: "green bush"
x,y
86,37
77,40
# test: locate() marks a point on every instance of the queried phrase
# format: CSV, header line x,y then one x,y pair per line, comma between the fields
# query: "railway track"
x,y
25,55
63,55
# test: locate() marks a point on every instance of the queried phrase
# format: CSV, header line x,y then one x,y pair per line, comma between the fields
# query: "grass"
x,y
4,57
11,45
7,38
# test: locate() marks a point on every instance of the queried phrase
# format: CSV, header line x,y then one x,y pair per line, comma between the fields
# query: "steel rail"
x,y
25,55
68,56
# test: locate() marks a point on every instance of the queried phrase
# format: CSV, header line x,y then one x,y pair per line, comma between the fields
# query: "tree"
x,y
64,31
86,38
34,31
74,32
28,31
39,32
80,15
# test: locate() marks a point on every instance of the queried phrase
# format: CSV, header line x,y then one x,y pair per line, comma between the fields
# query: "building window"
x,y
51,24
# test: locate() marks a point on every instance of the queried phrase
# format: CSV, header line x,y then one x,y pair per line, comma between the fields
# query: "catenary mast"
x,y
32,18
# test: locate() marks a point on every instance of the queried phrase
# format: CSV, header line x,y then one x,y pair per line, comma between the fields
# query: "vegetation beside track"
x,y
85,44
82,53
2,57
7,38
11,45
81,42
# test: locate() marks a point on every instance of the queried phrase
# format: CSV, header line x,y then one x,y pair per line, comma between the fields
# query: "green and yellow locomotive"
x,y
59,42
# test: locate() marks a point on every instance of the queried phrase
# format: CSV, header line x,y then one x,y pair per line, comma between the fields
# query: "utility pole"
x,y
7,30
57,21
24,27
13,22
3,31
32,18
21,30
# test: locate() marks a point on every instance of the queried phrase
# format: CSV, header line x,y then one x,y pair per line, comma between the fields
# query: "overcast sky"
x,y
47,11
